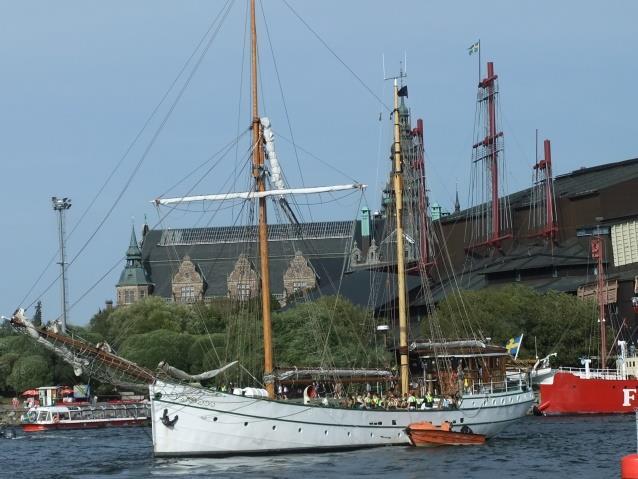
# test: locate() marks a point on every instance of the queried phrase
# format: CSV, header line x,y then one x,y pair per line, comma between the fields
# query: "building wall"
x,y
583,207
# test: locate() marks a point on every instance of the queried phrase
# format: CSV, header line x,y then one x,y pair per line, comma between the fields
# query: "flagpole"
x,y
479,52
520,343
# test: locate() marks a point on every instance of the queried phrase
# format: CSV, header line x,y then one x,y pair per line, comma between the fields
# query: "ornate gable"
x,y
243,282
355,254
299,276
187,285
373,253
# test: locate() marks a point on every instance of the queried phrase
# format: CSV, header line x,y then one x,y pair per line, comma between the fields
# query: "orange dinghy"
x,y
426,434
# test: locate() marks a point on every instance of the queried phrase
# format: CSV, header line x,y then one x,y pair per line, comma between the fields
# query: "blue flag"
x,y
514,345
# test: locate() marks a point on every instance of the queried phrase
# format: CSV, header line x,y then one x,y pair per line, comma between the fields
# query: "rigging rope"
x,y
223,14
323,42
124,156
283,100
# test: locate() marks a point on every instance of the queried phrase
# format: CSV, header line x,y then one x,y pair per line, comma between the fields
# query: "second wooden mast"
x,y
397,178
258,174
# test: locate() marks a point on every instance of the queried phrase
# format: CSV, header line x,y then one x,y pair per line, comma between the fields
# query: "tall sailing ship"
x,y
191,420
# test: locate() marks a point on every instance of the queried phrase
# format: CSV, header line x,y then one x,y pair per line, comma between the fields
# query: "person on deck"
x,y
411,401
367,401
390,400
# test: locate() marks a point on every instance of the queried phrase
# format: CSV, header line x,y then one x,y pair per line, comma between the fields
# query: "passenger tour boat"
x,y
51,414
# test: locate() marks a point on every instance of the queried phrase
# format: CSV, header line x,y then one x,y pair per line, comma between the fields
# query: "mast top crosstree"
x,y
488,150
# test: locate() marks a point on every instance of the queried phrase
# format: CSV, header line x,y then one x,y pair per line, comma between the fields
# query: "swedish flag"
x,y
514,345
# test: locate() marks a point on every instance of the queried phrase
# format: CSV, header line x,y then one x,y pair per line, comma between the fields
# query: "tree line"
x,y
327,332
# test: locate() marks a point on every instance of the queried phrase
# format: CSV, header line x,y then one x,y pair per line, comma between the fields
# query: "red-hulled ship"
x,y
594,391
584,391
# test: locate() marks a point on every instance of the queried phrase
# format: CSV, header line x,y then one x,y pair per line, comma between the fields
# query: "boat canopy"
x,y
458,349
305,374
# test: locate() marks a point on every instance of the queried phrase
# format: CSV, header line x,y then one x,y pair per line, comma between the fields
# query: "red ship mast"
x,y
597,254
424,253
543,176
488,150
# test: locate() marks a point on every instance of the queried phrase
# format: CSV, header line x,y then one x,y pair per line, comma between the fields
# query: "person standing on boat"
x,y
15,402
429,400
411,400
367,401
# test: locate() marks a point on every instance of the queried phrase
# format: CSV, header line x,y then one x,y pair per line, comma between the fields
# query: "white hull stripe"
x,y
267,418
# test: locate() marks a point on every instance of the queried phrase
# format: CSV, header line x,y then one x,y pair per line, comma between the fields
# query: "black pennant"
x,y
403,91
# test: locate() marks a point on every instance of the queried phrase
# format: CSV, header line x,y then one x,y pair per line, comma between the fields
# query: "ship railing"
x,y
492,387
109,411
595,373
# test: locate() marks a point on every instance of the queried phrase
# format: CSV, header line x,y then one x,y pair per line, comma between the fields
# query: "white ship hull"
x,y
213,423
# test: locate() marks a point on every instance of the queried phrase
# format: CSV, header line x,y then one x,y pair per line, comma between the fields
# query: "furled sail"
x,y
276,178
249,195
179,374
84,357
78,364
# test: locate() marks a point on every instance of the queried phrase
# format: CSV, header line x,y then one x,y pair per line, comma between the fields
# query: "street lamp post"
x,y
60,205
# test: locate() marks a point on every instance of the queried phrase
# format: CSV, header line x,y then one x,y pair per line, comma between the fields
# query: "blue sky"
x,y
79,79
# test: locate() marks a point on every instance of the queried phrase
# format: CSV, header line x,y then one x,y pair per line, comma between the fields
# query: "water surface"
x,y
559,447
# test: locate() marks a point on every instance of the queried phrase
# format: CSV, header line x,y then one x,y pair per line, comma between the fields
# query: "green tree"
x,y
6,365
560,322
327,332
100,323
30,372
149,349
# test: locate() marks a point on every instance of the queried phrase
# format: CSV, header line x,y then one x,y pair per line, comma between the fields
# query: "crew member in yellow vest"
x,y
411,401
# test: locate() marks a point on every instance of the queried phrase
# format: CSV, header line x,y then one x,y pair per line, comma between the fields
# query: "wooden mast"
x,y
258,170
397,180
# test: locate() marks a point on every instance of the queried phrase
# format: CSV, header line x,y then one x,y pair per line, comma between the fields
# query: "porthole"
x,y
299,429
325,432
274,428
349,434
245,424
214,419
371,435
